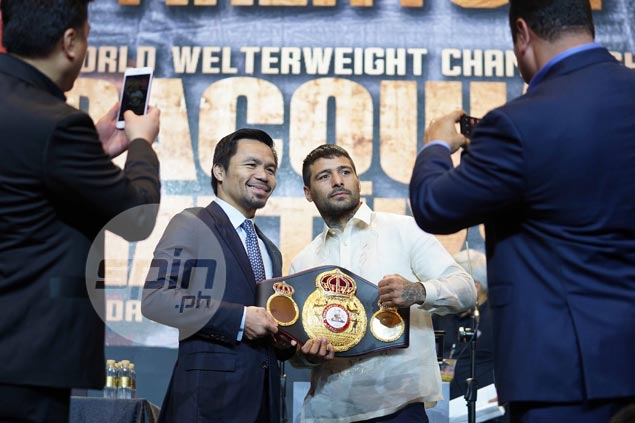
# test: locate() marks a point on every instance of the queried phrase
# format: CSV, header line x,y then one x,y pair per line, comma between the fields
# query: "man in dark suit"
x,y
551,175
58,188
203,282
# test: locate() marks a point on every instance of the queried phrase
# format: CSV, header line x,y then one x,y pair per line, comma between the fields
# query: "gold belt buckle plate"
x,y
333,311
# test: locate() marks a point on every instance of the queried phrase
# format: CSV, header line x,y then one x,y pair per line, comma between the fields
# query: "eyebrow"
x,y
251,159
337,169
259,161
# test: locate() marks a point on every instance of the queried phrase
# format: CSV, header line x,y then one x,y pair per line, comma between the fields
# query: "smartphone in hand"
x,y
467,124
135,93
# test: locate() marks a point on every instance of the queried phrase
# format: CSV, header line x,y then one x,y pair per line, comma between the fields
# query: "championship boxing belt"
x,y
333,302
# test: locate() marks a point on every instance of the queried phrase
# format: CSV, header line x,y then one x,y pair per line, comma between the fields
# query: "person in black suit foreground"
x,y
203,282
551,175
58,188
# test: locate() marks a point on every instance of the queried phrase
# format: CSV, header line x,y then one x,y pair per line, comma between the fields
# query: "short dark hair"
x,y
32,28
227,146
549,19
324,151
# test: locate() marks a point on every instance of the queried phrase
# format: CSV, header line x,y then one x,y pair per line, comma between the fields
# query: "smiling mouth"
x,y
262,188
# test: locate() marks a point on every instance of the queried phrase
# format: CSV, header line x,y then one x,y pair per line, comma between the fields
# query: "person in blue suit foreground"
x,y
551,176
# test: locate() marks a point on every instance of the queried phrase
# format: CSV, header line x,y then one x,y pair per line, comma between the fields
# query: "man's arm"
x,y
83,181
442,286
488,180
186,283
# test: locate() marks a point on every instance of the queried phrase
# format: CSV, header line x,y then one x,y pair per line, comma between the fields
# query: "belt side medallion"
x,y
386,324
281,304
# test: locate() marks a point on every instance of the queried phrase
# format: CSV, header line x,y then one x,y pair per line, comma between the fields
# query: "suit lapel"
x,y
232,242
234,245
274,254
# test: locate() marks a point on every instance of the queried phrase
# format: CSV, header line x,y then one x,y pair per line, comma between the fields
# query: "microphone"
x,y
476,315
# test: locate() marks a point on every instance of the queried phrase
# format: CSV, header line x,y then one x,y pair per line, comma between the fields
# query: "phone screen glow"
x,y
135,93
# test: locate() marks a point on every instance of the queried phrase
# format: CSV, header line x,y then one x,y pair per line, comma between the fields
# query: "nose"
x,y
261,174
337,179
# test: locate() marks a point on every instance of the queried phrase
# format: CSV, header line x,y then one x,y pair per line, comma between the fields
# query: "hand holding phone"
x,y
467,124
135,93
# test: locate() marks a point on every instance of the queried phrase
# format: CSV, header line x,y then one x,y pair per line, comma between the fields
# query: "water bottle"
x,y
133,381
124,391
118,370
110,390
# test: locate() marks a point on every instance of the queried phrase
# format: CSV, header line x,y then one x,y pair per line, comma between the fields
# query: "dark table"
x,y
106,410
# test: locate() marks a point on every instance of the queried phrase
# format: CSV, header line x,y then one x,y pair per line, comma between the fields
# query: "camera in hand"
x,y
467,124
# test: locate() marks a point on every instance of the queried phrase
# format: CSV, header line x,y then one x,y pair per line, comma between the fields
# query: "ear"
x,y
307,195
523,35
70,43
219,172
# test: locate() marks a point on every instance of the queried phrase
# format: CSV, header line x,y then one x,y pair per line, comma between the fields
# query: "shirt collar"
x,y
363,215
235,217
540,75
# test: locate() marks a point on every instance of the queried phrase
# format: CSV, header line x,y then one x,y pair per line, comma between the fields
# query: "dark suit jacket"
x,y
551,174
57,190
200,282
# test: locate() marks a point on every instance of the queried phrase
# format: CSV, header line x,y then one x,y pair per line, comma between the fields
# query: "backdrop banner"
x,y
364,74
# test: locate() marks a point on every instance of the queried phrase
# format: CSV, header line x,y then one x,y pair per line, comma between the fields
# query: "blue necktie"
x,y
253,251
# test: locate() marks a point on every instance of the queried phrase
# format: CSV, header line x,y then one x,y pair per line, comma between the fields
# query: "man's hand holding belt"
x,y
317,351
397,292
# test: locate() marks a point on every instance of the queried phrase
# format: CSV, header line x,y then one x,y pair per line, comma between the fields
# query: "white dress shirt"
x,y
374,245
237,218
